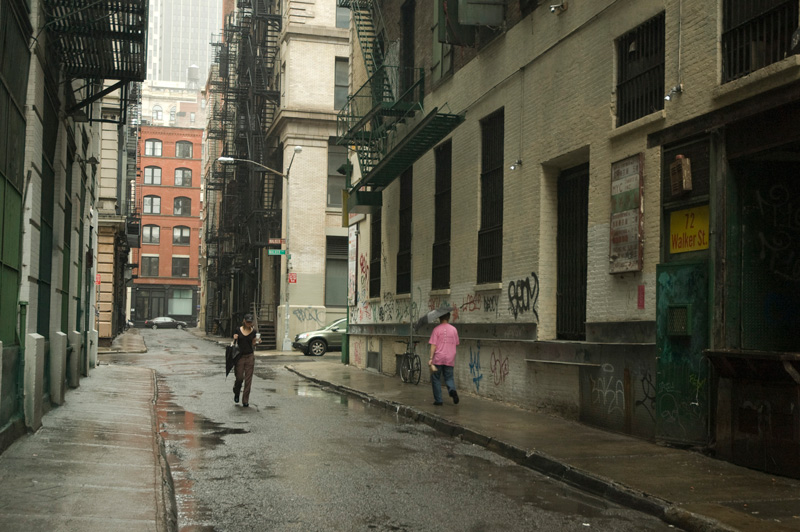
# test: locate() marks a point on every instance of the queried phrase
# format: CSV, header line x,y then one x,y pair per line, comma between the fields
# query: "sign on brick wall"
x,y
627,223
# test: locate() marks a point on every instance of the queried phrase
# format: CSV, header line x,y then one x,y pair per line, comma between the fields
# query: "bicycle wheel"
x,y
405,369
416,370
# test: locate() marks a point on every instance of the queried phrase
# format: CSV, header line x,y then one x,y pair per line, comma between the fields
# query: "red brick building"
x,y
169,200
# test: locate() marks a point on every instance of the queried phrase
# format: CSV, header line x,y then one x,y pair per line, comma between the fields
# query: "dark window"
x,y
183,149
149,267
180,266
152,147
182,207
181,235
755,34
336,271
151,234
440,276
640,76
183,177
375,255
340,87
342,17
152,175
337,156
404,233
571,253
152,205
490,234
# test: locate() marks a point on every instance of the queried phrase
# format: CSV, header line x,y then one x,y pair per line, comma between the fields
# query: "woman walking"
x,y
245,338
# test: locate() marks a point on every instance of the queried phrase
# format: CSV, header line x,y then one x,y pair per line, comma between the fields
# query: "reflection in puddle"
x,y
305,389
186,430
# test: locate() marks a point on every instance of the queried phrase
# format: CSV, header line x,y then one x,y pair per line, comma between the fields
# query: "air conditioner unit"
x,y
680,175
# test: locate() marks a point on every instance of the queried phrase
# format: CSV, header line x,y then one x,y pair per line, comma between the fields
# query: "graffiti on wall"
x,y
309,314
608,390
780,213
499,366
523,296
475,366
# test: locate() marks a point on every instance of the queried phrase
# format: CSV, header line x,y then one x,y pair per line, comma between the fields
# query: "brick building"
x,y
169,200
602,192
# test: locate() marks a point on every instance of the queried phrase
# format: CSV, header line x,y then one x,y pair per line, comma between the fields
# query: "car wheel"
x,y
317,347
155,326
180,326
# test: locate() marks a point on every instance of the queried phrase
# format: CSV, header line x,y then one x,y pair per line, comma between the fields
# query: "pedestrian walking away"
x,y
245,338
444,340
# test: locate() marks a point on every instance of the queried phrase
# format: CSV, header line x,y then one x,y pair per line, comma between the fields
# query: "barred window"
x,y
640,73
490,234
755,34
404,233
440,276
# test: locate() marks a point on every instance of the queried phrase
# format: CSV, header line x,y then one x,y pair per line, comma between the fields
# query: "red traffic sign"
x,y
97,279
293,278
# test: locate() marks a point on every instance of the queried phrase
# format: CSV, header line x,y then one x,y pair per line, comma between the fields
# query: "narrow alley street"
x,y
303,458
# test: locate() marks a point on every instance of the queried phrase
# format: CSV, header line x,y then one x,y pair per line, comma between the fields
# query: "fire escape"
x,y
243,199
385,119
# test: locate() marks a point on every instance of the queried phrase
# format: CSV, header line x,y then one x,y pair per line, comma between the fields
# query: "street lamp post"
x,y
287,343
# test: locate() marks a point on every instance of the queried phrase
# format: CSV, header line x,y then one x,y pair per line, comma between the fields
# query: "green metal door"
x,y
682,328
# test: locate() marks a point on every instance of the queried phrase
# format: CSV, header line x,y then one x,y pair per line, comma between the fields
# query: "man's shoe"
x,y
454,395
235,397
437,403
245,405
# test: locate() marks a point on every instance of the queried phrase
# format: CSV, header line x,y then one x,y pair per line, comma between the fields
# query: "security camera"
x,y
558,8
553,9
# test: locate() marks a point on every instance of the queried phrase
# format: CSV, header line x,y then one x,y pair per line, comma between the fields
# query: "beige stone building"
x,y
601,191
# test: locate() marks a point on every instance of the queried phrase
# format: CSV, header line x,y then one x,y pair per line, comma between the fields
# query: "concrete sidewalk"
x,y
684,488
95,465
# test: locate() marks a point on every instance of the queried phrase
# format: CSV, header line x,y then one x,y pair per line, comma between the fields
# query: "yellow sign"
x,y
688,230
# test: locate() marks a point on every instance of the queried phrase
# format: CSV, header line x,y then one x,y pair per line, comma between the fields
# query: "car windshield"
x,y
337,323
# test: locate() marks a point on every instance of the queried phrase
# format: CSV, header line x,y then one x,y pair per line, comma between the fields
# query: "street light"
x,y
287,343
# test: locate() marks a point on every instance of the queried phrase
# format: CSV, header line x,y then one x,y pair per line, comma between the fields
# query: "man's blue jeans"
x,y
436,381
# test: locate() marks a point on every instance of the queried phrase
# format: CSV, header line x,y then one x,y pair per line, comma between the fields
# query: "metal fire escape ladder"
x,y
385,119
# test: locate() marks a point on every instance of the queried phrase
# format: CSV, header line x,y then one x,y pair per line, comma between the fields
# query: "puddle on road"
x,y
306,389
187,430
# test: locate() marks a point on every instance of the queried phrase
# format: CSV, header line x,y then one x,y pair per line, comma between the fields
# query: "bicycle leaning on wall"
x,y
410,365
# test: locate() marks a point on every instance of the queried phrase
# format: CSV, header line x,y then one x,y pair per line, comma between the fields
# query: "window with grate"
x,y
183,149
640,72
183,177
375,255
181,235
180,266
152,148
440,274
182,207
152,175
404,233
336,271
151,234
490,234
152,205
755,34
149,267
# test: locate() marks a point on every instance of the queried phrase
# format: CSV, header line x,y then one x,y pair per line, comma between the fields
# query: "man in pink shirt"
x,y
444,340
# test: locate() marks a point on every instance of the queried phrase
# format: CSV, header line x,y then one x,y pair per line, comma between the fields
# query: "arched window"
x,y
157,112
152,205
181,235
151,234
152,175
183,177
183,207
172,112
152,147
183,149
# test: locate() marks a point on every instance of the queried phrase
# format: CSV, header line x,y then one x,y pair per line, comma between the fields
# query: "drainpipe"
x,y
23,327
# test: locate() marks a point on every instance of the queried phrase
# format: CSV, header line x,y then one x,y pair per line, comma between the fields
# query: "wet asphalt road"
x,y
306,459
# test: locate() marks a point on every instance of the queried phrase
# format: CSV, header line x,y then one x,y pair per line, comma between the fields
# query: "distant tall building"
x,y
180,32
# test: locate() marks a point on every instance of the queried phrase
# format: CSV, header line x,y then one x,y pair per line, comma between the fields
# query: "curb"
x,y
545,464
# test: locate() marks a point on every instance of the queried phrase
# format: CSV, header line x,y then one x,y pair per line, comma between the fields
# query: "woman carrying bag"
x,y
246,339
